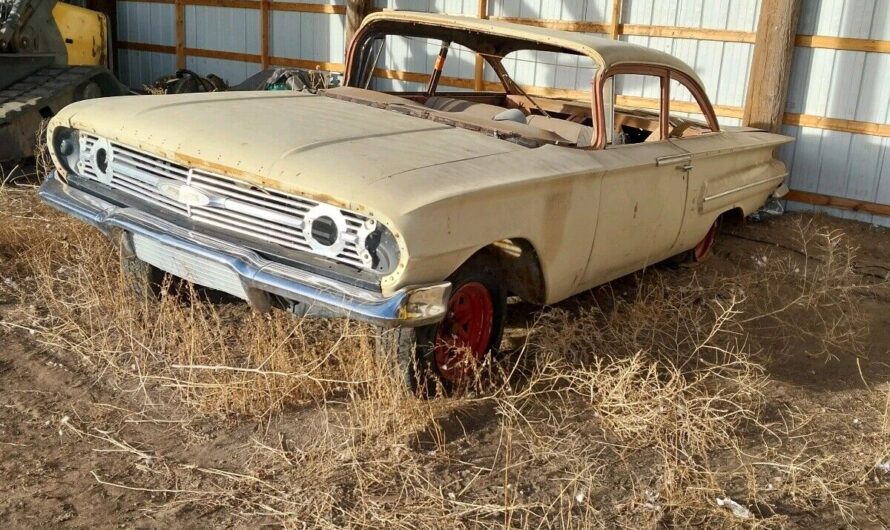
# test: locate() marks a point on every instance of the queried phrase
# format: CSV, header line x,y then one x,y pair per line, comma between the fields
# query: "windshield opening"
x,y
526,89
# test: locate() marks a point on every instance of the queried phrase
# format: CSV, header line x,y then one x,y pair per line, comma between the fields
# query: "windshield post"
x,y
437,70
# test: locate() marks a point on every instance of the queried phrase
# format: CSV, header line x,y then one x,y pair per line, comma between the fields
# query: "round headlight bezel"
x,y
383,250
66,147
325,213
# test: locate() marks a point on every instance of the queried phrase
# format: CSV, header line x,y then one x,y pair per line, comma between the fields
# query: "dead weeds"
x,y
636,406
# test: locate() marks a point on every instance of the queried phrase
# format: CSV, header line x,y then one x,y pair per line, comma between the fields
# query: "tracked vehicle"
x,y
51,54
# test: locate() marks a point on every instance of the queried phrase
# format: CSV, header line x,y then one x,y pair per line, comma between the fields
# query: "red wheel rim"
x,y
463,336
704,247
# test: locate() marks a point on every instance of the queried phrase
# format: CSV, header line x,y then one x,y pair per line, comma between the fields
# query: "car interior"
x,y
511,113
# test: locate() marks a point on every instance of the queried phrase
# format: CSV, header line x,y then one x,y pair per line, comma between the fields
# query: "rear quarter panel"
x,y
730,169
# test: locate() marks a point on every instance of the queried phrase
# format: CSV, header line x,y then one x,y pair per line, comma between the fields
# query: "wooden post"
x,y
479,72
180,34
615,22
356,11
771,67
264,34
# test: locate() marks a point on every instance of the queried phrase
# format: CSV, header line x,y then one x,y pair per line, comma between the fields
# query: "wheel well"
x,y
519,266
733,217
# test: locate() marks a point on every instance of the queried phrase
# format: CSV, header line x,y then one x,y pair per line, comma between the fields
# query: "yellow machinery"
x,y
51,53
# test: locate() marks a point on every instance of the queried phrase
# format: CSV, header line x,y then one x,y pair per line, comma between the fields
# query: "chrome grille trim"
x,y
264,214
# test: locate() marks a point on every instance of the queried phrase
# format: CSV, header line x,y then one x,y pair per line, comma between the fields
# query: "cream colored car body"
x,y
591,215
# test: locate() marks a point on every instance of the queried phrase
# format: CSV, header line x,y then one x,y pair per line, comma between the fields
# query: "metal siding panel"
x,y
690,13
809,14
883,193
716,15
829,20
816,94
664,13
708,65
800,79
337,35
845,85
732,87
863,167
742,15
880,28
285,34
835,151
846,80
874,101
807,147
857,19
224,29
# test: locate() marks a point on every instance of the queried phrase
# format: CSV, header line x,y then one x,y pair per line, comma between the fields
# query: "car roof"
x,y
606,52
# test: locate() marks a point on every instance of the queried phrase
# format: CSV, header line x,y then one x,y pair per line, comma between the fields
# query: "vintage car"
x,y
419,209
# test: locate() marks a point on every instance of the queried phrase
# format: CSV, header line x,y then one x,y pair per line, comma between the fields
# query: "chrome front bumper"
x,y
260,278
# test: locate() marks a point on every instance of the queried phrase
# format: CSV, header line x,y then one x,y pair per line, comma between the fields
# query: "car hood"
x,y
317,146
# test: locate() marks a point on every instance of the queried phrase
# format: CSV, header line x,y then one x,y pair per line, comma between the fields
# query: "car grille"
x,y
259,213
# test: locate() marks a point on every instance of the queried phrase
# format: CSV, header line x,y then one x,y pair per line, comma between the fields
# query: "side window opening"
x,y
633,109
687,118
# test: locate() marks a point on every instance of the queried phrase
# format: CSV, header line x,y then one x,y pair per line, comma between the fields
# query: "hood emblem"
x,y
184,194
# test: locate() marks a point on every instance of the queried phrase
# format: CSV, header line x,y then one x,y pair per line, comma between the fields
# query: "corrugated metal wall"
x,y
841,84
831,83
311,36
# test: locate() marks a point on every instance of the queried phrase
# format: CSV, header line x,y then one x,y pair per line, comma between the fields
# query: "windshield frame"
x,y
490,46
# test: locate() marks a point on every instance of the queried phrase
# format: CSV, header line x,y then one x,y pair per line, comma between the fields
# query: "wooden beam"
x,y
564,25
180,35
838,202
771,67
146,47
308,64
264,34
724,111
479,68
309,8
615,21
640,30
843,43
233,4
837,124
672,32
356,10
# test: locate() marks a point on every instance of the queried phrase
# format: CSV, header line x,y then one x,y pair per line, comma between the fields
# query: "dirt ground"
x,y
87,442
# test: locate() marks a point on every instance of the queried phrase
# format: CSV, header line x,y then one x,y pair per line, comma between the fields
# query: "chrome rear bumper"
x,y
259,277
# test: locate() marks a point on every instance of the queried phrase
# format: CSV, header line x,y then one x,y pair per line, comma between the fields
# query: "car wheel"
x,y
705,247
141,279
702,250
445,356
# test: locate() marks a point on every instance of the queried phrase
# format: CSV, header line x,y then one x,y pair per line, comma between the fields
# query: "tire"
x,y
702,251
142,280
421,356
88,90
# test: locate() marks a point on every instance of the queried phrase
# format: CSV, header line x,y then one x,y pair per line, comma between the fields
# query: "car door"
x,y
644,187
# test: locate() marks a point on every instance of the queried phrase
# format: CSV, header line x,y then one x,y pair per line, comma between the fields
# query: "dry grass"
x,y
634,410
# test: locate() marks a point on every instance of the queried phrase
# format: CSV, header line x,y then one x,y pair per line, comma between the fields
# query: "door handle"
x,y
683,161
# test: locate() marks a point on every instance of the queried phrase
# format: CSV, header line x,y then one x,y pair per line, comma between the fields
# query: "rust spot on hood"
x,y
202,163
